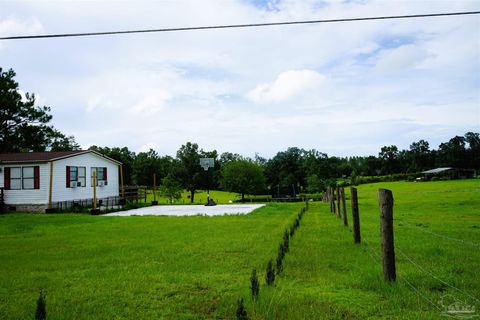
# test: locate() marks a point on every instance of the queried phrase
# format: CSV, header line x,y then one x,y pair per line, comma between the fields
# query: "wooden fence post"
x,y
339,196
344,208
154,189
385,199
355,216
332,200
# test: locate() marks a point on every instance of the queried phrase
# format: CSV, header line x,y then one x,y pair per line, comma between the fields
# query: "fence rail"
x,y
77,205
132,194
135,193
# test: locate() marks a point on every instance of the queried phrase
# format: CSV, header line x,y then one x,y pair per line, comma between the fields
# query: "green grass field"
x,y
197,267
220,197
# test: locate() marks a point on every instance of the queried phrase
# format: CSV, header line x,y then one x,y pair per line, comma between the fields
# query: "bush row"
x,y
272,270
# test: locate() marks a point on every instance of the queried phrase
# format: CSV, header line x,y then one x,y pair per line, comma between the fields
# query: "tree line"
x,y
25,127
309,171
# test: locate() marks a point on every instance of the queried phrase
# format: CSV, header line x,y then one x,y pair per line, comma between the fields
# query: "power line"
x,y
250,25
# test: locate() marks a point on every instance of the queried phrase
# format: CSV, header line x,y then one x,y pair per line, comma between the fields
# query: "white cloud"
x,y
146,147
287,85
14,26
313,81
403,58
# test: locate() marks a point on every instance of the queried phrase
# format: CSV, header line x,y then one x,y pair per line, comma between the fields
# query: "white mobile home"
x,y
31,181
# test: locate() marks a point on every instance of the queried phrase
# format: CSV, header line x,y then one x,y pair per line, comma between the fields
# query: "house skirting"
x,y
34,208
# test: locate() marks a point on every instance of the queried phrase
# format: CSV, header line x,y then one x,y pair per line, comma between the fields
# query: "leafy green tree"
x,y
286,169
420,156
473,151
452,153
124,155
315,184
389,155
148,163
24,126
227,157
171,188
244,177
190,172
353,178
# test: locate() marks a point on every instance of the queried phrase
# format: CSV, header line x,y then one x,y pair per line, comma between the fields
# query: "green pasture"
x,y
437,238
220,197
94,267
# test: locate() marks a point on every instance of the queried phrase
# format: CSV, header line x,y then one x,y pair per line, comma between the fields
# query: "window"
x,y
27,178
18,178
76,177
101,173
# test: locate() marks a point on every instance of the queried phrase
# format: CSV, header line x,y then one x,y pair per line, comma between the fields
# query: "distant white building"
x,y
31,180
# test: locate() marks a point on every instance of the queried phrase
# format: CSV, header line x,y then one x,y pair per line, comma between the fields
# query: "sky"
x,y
340,88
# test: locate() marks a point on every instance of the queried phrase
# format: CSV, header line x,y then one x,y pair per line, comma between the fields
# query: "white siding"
x,y
36,196
59,190
62,193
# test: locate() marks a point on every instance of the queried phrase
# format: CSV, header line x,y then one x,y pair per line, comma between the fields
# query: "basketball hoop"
x,y
206,163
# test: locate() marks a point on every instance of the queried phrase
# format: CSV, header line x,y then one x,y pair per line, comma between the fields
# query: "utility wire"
x,y
250,25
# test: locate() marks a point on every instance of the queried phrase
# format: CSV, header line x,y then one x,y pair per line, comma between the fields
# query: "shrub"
x,y
241,312
292,231
41,311
285,244
270,277
280,261
254,285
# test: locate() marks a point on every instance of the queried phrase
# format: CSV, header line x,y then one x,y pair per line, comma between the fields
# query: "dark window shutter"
x,y
68,177
6,178
105,174
36,177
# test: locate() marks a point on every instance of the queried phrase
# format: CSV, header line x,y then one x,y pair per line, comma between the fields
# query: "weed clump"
x,y
241,312
254,285
286,239
279,261
41,311
270,277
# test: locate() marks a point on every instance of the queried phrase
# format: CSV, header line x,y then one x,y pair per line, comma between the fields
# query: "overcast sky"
x,y
340,88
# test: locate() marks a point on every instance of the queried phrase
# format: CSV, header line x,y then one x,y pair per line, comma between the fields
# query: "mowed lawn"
x,y
94,267
220,197
197,267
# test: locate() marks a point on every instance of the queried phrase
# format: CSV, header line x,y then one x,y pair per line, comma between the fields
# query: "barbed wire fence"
x,y
377,258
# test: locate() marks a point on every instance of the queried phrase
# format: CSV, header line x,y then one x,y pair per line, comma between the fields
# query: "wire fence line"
x,y
420,294
419,267
376,257
411,225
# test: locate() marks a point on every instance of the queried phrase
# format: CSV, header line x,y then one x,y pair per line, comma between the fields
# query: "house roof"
x,y
437,170
45,156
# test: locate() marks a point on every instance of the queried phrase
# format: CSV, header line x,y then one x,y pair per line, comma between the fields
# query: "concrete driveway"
x,y
188,210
